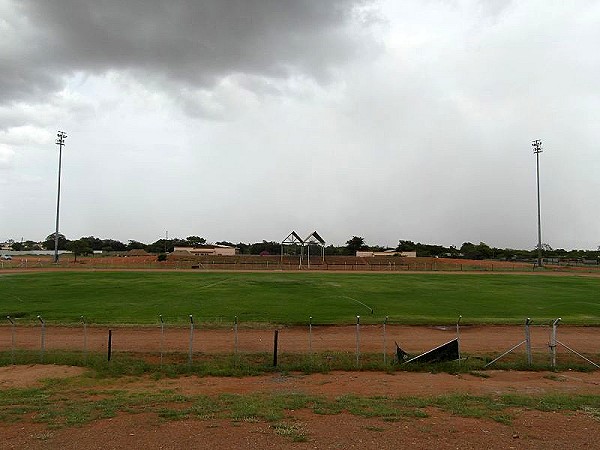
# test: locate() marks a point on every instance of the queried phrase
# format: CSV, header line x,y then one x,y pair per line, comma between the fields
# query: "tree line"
x,y
468,250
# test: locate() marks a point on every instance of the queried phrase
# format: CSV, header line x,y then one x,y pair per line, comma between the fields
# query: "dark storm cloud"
x,y
188,44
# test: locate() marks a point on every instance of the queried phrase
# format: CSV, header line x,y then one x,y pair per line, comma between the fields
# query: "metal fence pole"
x,y
12,341
43,343
191,340
162,338
275,342
84,340
528,341
235,335
109,349
310,335
458,336
385,341
553,342
357,340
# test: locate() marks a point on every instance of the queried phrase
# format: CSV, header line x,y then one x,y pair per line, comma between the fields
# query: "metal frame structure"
x,y
312,239
293,239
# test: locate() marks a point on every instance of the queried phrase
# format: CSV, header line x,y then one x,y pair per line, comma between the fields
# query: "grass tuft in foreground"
x,y
72,402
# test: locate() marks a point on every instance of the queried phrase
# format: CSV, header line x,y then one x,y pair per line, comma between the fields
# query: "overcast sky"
x,y
243,120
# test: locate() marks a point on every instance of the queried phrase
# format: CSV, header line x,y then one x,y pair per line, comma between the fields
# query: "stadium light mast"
x,y
537,149
60,141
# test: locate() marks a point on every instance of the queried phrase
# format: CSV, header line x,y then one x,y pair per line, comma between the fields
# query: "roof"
x,y
314,238
293,238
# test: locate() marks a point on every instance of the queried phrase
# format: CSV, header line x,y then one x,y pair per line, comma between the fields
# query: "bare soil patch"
x,y
31,376
529,429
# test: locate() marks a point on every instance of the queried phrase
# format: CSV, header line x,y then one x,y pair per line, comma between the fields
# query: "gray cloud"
x,y
181,44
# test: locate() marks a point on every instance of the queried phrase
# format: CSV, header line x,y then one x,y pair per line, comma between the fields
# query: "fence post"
x,y
458,336
310,335
553,342
43,344
84,340
275,339
235,335
385,341
528,341
357,341
109,350
12,341
162,338
191,340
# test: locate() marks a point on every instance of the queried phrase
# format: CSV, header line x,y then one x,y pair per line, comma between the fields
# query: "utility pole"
x,y
537,149
60,141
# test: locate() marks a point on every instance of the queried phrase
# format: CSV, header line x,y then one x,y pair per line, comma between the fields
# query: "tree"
x,y
480,251
135,245
355,244
332,250
244,248
49,242
160,246
195,240
111,245
265,248
80,247
406,246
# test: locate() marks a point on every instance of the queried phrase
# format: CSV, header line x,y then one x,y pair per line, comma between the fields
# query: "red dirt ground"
x,y
529,429
441,430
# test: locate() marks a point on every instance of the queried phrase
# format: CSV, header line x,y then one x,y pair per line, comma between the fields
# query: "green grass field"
x,y
290,298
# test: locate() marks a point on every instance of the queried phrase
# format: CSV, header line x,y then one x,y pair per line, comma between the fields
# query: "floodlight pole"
x,y
537,149
60,141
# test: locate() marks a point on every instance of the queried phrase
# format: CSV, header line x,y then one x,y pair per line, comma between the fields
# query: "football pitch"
x,y
214,298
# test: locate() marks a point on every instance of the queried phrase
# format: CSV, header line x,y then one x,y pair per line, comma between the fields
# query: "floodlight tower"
x,y
60,141
537,149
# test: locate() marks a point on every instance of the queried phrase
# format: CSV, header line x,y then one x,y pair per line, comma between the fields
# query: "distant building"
x,y
208,250
370,254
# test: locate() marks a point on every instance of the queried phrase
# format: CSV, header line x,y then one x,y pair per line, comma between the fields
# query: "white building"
x,y
210,250
370,254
